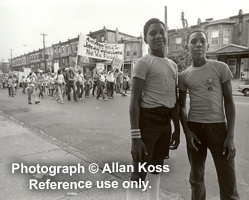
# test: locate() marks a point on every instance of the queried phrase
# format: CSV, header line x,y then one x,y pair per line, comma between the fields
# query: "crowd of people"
x,y
68,83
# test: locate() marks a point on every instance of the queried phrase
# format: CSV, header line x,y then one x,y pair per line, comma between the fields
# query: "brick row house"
x,y
64,53
228,39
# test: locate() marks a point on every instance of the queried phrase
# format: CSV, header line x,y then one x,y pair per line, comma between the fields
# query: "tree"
x,y
183,59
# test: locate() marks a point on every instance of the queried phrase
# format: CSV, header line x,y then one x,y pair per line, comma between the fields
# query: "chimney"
x,y
199,22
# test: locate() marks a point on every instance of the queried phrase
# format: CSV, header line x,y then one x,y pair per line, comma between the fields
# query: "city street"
x,y
100,130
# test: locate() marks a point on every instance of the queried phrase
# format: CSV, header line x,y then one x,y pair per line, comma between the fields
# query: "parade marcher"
x,y
45,84
88,83
211,118
24,84
126,80
59,79
40,81
110,83
15,83
10,82
119,83
51,85
32,84
95,81
71,84
153,99
80,84
101,85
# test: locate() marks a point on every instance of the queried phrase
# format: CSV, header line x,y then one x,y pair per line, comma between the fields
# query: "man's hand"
x,y
191,140
175,140
229,148
137,148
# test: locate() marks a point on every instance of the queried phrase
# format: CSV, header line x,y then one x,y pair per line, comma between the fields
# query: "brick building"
x,y
228,39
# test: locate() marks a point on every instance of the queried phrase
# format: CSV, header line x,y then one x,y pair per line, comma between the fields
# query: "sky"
x,y
23,21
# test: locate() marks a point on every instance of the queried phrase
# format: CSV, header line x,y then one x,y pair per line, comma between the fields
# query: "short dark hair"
x,y
149,22
196,31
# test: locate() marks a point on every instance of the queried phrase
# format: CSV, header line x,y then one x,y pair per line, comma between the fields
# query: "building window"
x,y
66,49
71,48
62,50
215,37
127,53
178,42
226,36
102,39
134,53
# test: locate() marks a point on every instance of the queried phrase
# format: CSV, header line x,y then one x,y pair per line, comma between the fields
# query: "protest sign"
x,y
117,63
91,48
100,67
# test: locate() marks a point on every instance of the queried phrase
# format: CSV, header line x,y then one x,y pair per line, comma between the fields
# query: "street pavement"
x,y
22,143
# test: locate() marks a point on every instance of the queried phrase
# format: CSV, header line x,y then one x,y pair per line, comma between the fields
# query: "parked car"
x,y
244,89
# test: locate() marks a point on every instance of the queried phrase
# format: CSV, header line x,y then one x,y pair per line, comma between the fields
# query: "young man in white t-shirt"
x,y
206,126
153,99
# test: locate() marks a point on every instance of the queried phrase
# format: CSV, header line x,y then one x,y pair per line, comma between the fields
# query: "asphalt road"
x,y
100,129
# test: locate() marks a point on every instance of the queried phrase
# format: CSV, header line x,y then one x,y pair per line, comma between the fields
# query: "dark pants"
x,y
211,136
126,86
80,90
11,91
100,90
110,89
40,89
87,90
95,85
69,86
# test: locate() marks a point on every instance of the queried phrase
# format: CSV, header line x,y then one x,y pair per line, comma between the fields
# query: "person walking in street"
x,y
71,84
126,80
95,81
10,82
153,99
80,84
59,79
210,120
32,84
119,83
110,82
24,84
40,80
88,83
101,86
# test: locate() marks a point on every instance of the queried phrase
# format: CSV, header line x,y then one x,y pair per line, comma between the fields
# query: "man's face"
x,y
156,37
197,45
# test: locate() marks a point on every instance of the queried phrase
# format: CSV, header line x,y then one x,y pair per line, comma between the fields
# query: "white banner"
x,y
91,48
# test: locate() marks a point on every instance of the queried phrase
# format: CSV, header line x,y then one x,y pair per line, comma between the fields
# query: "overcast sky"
x,y
22,21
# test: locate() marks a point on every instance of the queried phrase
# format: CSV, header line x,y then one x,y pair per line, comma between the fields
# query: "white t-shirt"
x,y
159,75
205,89
110,77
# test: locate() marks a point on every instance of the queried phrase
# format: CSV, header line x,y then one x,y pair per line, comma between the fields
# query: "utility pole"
x,y
11,59
43,34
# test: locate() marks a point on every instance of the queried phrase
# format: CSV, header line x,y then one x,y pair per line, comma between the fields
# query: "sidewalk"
x,y
22,144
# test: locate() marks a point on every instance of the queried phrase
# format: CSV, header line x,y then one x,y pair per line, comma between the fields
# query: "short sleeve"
x,y
140,70
181,83
225,73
